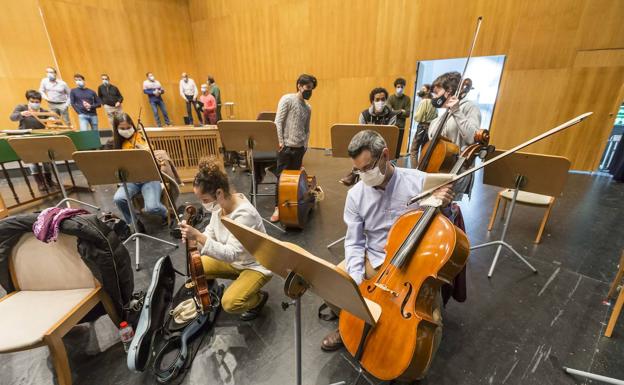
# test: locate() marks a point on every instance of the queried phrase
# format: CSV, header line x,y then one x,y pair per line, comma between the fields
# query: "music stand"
x,y
536,173
35,149
121,166
250,136
341,135
303,271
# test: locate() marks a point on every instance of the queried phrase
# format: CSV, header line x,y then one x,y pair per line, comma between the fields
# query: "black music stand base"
x,y
294,287
136,236
501,242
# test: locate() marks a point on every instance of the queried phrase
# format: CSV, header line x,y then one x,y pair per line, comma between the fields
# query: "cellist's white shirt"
x,y
370,212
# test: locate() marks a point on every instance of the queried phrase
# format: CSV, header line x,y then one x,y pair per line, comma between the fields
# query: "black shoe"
x,y
140,227
252,314
350,179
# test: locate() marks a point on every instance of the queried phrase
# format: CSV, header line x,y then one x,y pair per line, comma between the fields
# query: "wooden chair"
x,y
54,291
524,198
620,299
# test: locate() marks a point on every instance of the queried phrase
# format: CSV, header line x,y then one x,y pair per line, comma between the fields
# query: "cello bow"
x,y
462,90
561,127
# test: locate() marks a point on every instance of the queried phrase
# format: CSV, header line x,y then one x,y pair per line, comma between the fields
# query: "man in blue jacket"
x,y
153,89
85,102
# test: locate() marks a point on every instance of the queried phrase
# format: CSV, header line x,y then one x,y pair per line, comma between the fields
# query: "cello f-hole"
x,y
404,313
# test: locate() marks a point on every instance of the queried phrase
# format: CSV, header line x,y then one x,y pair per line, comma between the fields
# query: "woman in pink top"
x,y
210,105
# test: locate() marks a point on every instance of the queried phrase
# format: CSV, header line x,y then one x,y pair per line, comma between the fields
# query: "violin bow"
x,y
160,173
464,174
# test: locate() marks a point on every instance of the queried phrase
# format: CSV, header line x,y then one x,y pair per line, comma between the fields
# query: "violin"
x,y
195,271
298,192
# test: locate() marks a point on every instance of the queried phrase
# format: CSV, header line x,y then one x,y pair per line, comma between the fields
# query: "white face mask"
x,y
379,106
211,207
151,78
126,133
399,91
373,177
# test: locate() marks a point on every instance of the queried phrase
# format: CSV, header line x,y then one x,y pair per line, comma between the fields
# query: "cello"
x,y
298,192
439,153
423,251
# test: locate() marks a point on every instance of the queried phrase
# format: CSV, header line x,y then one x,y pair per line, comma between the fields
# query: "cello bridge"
x,y
386,288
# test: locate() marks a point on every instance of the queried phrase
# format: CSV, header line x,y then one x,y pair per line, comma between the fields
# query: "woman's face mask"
x,y
379,105
126,132
211,206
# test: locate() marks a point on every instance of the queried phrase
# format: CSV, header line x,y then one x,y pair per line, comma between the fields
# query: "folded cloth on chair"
x,y
46,228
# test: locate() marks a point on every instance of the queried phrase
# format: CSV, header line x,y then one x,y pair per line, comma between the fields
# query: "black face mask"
x,y
307,94
438,101
421,94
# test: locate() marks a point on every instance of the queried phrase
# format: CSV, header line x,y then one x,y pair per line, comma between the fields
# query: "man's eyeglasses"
x,y
367,168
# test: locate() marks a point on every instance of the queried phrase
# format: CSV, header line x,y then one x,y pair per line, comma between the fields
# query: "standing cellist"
x,y
372,206
464,120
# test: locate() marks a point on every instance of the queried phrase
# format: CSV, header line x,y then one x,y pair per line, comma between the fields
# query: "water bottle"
x,y
126,333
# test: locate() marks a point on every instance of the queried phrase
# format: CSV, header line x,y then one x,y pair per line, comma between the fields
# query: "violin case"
x,y
157,341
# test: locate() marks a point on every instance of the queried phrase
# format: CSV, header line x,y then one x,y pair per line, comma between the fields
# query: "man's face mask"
x,y
307,94
438,101
372,177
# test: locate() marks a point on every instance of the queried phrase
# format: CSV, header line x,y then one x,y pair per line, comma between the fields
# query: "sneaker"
x,y
252,314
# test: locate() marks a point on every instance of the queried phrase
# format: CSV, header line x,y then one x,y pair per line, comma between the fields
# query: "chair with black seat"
x,y
264,160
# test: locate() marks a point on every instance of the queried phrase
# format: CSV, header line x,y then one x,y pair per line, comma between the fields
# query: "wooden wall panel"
x,y
257,49
124,38
24,54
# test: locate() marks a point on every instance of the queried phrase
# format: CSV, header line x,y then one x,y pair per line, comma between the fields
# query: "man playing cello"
x,y
371,207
